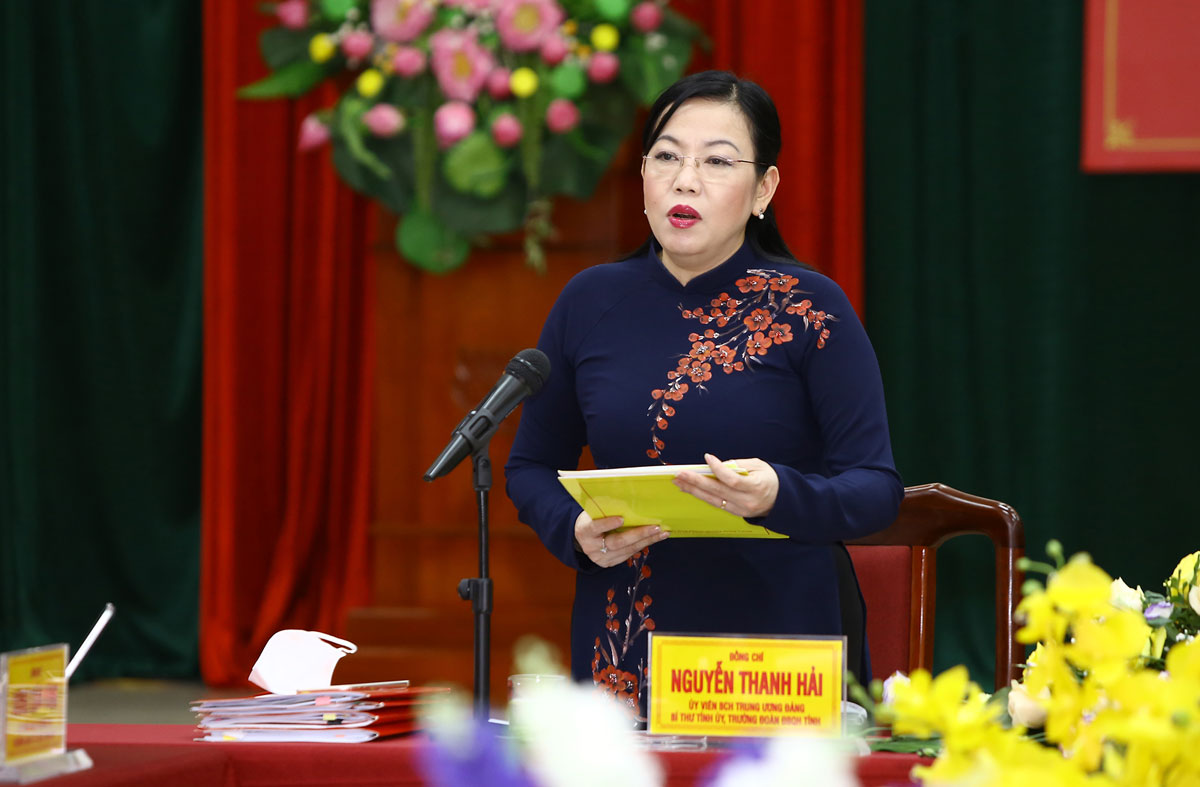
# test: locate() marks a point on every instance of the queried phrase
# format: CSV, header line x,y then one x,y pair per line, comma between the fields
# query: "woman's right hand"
x,y
598,539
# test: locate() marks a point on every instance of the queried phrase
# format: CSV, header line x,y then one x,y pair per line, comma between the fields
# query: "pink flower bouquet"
x,y
466,117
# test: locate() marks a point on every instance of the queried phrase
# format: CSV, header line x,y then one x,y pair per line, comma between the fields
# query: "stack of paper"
x,y
351,714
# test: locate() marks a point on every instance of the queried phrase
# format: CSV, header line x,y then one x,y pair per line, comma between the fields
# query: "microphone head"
x,y
531,367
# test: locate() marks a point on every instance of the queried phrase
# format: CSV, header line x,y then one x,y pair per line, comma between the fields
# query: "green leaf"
x,y
430,245
568,81
335,10
292,80
566,171
350,128
1000,699
470,215
396,191
613,10
647,71
608,107
280,46
922,747
573,163
676,25
476,166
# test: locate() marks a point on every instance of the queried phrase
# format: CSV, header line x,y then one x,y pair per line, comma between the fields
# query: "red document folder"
x,y
336,716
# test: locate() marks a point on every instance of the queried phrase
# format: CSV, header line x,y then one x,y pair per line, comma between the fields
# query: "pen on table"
x,y
109,609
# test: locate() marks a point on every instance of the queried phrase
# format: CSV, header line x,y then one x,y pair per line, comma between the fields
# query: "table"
x,y
165,754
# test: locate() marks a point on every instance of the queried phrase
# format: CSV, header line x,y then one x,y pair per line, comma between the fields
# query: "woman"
x,y
710,342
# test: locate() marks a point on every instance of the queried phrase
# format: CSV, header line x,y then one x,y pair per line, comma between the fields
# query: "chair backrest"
x,y
897,571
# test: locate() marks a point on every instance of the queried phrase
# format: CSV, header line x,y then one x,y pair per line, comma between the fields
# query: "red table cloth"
x,y
165,754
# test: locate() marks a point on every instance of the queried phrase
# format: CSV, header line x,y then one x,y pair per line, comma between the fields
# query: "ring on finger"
x,y
603,546
723,504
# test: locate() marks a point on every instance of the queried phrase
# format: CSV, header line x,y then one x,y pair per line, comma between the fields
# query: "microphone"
x,y
524,376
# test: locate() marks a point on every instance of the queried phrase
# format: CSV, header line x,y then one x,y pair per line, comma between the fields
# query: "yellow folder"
x,y
646,496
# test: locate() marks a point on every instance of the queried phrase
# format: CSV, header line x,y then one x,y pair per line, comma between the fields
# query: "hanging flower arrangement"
x,y
465,117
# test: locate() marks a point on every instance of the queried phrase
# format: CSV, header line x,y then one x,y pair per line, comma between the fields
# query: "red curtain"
x,y
808,54
288,349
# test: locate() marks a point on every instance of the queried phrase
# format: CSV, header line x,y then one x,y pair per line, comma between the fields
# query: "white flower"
x,y
1024,709
1124,597
812,761
889,686
570,732
1194,599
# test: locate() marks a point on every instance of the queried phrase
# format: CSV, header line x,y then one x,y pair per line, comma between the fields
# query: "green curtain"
x,y
100,310
1034,323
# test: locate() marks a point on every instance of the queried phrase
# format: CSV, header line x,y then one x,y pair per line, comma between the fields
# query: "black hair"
x,y
762,118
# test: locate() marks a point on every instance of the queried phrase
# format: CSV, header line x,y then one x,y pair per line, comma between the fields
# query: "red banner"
x,y
1141,101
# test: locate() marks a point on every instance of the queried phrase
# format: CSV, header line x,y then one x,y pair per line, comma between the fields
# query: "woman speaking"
x,y
711,342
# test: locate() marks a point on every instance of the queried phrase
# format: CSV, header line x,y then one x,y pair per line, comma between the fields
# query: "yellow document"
x,y
33,701
646,496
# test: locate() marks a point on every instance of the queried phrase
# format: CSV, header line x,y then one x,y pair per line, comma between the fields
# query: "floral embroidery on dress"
x,y
609,671
743,329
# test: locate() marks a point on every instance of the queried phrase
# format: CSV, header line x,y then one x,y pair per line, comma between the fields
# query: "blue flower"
x,y
478,757
1158,611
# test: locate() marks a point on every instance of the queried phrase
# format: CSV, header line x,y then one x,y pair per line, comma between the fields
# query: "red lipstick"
x,y
683,216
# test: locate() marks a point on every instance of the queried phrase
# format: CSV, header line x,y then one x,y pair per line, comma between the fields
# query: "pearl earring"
x,y
762,214
645,211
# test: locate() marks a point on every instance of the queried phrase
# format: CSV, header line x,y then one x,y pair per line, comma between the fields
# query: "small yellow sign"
x,y
34,702
746,686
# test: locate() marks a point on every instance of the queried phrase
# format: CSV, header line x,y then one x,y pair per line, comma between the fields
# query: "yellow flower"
x,y
1067,704
1111,720
1183,578
1183,661
1144,691
1080,587
369,83
1077,589
1043,621
1049,669
1139,747
321,48
524,82
1158,638
605,37
1006,759
1106,646
949,705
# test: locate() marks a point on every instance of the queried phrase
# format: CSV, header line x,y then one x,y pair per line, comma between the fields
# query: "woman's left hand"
x,y
748,495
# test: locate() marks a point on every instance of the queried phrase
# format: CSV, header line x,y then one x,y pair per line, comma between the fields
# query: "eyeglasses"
x,y
712,169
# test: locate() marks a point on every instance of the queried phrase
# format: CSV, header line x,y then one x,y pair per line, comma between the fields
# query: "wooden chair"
x,y
897,570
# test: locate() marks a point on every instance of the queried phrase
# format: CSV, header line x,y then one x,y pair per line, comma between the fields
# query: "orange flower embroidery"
x,y
780,332
753,283
746,328
701,350
758,344
758,319
609,673
783,283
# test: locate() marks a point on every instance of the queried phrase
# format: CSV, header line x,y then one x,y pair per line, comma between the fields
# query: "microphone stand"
x,y
478,590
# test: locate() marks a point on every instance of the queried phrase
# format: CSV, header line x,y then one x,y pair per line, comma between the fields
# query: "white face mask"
x,y
293,660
